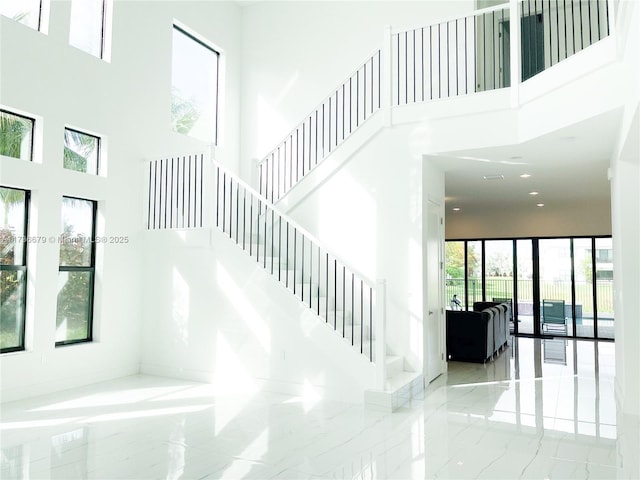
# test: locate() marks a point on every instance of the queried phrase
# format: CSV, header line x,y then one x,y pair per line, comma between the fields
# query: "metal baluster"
x,y
362,317
422,60
295,238
335,294
258,227
371,323
217,195
448,61
414,67
244,218
310,274
326,290
430,63
302,272
237,209
264,255
251,226
344,304
319,279
224,200
398,57
352,310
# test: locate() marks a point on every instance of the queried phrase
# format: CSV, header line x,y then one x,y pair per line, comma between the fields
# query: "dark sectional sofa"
x,y
479,335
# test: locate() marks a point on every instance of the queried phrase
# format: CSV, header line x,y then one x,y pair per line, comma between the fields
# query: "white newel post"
x,y
514,51
385,77
381,340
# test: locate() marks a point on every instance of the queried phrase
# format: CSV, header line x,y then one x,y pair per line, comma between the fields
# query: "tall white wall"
x,y
213,314
295,53
625,201
127,102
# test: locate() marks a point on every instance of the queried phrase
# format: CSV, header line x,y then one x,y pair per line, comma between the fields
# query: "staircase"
x,y
453,58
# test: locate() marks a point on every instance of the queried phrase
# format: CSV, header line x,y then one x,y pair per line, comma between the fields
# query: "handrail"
x,y
324,129
453,18
291,221
325,284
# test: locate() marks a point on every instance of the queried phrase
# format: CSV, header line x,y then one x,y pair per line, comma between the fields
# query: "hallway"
x,y
543,409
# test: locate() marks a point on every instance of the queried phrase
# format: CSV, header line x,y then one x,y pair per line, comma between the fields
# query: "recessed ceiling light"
x,y
533,193
540,205
456,209
493,177
525,175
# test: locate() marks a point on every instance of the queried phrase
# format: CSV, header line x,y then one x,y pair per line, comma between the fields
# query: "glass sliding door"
x,y
524,286
454,266
474,273
583,275
555,287
604,287
498,276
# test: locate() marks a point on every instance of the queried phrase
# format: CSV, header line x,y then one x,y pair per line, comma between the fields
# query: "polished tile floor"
x,y
543,409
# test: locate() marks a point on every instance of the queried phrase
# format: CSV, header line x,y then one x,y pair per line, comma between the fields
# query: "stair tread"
x,y
401,379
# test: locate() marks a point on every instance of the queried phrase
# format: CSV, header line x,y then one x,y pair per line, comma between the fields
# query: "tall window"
x,y
87,27
27,12
16,135
194,87
81,151
13,268
76,272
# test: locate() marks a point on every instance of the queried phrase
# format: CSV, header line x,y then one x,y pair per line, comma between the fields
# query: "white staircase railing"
x,y
456,57
337,293
334,120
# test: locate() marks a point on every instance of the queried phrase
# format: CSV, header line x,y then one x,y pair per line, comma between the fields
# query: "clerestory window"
x,y
194,87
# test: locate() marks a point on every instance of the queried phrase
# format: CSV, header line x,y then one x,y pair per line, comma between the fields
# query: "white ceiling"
x,y
566,166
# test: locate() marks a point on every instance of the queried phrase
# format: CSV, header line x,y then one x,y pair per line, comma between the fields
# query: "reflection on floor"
x,y
543,409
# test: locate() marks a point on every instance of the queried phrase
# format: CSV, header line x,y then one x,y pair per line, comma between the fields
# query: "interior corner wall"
x,y
295,53
126,101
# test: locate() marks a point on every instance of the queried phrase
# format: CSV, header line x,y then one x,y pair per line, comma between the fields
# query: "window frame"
x,y
91,269
21,268
98,150
218,55
103,32
33,133
38,27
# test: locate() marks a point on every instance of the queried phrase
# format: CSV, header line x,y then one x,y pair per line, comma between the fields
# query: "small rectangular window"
x,y
16,136
87,26
14,205
194,87
81,151
74,316
27,12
